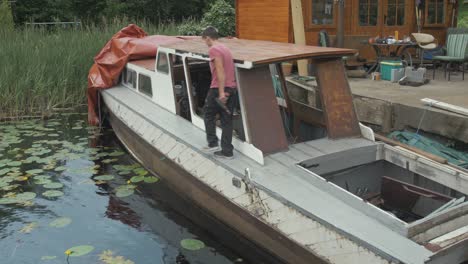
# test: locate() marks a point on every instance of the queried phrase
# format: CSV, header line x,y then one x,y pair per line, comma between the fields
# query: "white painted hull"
x,y
309,231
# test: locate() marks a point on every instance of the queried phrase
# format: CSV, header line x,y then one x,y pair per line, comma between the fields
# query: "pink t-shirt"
x,y
221,51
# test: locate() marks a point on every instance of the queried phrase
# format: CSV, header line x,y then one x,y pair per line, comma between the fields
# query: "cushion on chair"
x,y
428,46
423,38
457,45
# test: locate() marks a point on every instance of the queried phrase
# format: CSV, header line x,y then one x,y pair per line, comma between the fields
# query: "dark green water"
x,y
51,201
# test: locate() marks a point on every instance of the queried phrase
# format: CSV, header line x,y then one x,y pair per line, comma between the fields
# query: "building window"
x,y
368,12
144,85
163,63
395,13
322,12
435,12
129,78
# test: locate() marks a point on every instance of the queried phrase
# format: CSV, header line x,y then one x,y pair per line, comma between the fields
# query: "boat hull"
x,y
212,202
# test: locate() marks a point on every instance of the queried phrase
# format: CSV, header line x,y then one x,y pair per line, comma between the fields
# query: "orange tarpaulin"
x,y
130,43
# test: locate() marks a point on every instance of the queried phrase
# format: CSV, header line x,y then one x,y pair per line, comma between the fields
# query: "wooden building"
x,y
272,20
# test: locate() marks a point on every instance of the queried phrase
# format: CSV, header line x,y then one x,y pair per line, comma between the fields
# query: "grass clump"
x,y
42,69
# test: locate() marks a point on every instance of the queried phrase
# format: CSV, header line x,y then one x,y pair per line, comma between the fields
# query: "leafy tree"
x,y
221,15
6,17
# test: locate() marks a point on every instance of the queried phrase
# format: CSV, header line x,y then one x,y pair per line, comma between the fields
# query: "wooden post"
x,y
299,33
340,29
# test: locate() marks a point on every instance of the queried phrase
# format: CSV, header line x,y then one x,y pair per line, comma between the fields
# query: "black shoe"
x,y
220,154
209,149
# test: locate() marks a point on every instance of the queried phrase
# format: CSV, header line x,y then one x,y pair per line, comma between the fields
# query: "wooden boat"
x,y
323,192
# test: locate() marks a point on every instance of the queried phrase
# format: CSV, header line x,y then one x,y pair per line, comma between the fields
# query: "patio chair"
x,y
425,42
456,51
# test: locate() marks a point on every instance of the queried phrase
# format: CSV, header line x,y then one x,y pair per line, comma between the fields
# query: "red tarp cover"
x,y
130,43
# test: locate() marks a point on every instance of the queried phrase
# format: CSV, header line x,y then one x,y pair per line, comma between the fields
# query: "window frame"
x,y
405,20
378,19
140,83
125,73
426,15
311,25
158,67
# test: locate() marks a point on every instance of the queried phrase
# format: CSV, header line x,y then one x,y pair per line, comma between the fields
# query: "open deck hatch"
x,y
389,185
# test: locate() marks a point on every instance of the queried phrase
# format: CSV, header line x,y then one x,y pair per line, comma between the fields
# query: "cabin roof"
x,y
261,52
148,64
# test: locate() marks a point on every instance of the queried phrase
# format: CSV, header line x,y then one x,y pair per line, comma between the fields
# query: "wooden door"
x,y
397,16
383,17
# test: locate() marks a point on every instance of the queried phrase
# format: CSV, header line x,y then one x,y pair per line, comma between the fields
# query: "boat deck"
x,y
283,179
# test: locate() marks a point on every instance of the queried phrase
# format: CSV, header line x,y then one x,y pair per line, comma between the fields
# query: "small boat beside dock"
x,y
307,184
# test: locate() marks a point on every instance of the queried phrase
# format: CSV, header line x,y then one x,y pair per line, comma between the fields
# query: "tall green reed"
x,y
43,69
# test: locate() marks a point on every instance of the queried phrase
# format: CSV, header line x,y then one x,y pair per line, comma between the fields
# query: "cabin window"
x,y
144,85
395,13
368,12
129,78
322,12
435,12
163,63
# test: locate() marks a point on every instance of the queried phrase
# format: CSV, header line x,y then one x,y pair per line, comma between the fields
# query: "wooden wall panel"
x,y
263,20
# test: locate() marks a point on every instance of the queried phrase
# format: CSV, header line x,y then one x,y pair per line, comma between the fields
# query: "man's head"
x,y
210,35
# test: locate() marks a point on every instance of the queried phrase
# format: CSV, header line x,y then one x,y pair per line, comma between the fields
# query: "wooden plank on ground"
x,y
444,106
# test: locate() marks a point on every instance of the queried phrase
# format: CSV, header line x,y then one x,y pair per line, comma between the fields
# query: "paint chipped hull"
x,y
285,230
270,223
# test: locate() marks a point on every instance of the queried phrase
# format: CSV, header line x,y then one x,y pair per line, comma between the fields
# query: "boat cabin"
x,y
314,155
179,79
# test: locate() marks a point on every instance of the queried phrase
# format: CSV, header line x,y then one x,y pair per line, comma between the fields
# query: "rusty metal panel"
x,y
262,52
337,100
265,126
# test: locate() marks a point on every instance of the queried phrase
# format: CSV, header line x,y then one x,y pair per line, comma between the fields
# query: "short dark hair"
x,y
210,32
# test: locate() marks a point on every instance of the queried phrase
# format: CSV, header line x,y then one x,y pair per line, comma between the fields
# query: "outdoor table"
x,y
391,51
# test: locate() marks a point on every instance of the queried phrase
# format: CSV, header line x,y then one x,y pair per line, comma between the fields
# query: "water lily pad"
x,y
25,196
137,178
116,153
42,181
52,193
21,178
80,250
60,168
141,171
60,222
29,228
107,161
124,192
192,244
151,179
14,163
104,177
10,187
109,257
4,171
8,200
35,171
48,257
53,185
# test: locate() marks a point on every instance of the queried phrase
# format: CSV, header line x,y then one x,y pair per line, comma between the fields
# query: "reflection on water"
x,y
63,185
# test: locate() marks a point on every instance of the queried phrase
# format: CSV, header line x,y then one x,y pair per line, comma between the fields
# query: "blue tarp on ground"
x,y
412,139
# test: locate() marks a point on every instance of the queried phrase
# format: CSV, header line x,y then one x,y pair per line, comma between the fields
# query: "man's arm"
x,y
218,61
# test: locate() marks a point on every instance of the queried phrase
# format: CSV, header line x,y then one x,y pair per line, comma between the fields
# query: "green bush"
x,y
190,27
221,15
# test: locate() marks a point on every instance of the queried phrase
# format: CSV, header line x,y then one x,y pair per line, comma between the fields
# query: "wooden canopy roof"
x,y
261,52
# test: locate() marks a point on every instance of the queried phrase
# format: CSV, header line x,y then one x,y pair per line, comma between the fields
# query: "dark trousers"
x,y
211,109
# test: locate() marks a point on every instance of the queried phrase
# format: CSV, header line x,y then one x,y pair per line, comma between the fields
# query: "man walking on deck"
x,y
222,95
